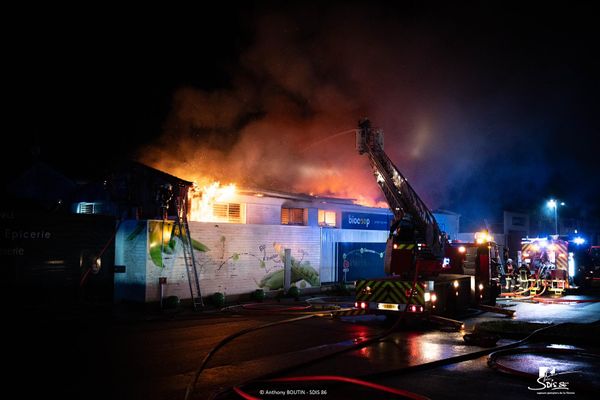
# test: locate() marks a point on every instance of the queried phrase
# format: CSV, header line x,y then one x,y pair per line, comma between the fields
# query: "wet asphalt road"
x,y
98,356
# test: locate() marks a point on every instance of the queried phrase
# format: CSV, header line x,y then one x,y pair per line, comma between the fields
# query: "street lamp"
x,y
553,205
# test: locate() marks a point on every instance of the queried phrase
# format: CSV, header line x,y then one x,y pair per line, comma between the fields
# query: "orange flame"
x,y
203,201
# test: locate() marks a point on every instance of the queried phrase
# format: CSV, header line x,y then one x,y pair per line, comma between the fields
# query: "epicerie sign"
x,y
21,234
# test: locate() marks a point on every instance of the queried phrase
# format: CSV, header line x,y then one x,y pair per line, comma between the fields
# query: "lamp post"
x,y
553,205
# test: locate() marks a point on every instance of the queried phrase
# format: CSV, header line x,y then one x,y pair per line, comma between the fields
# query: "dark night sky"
x,y
503,95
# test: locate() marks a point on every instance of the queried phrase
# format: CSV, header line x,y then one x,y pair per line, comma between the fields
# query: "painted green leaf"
x,y
156,256
172,243
235,257
199,246
139,228
307,273
273,281
262,264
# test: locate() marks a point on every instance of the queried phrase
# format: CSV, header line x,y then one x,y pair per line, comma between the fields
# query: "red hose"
x,y
565,301
336,378
244,395
265,307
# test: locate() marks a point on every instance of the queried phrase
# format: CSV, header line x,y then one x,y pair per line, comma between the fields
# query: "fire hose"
x,y
358,344
223,342
335,378
278,307
566,301
400,371
494,363
190,388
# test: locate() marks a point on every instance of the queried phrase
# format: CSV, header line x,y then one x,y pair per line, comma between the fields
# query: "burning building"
x,y
239,236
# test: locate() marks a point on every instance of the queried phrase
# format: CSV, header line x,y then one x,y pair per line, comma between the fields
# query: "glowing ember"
x,y
207,203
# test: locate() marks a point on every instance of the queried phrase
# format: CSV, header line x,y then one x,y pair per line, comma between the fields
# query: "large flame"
x,y
203,201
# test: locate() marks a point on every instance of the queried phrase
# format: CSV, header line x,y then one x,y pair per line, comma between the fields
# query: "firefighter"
x,y
523,274
510,274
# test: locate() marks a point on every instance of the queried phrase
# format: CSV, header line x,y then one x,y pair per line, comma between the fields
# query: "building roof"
x,y
135,166
294,196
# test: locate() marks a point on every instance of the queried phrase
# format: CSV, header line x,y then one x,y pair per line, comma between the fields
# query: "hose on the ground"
x,y
257,306
566,301
280,307
404,370
190,388
359,344
496,365
342,379
493,363
458,359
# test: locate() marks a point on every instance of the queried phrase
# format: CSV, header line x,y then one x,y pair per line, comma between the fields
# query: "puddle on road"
x,y
576,368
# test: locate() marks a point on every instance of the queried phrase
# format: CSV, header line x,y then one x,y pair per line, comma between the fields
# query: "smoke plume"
x,y
455,123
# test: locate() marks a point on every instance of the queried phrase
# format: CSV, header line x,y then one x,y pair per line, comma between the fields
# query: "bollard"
x,y
162,282
287,272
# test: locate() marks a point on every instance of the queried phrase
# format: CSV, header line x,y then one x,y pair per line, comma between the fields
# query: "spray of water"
x,y
313,144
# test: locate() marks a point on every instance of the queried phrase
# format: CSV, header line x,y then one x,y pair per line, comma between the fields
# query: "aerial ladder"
x,y
425,272
414,224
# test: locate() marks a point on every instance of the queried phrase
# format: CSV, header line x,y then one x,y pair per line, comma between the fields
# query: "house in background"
x,y
129,190
57,241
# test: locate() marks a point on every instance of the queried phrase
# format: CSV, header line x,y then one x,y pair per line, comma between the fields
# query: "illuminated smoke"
x,y
304,82
288,121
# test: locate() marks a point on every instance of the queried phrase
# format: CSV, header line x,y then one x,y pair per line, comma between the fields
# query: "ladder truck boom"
x,y
426,274
404,202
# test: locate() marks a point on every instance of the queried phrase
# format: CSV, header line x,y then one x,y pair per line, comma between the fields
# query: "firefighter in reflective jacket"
x,y
523,275
510,274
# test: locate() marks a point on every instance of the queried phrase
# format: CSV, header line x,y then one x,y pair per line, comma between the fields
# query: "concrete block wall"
x,y
240,258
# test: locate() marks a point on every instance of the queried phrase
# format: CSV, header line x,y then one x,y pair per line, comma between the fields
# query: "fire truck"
x,y
545,265
425,272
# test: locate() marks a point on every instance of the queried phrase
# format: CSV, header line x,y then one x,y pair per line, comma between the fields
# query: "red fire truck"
x,y
545,264
426,273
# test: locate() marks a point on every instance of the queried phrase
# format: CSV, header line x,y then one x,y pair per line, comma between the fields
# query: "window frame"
x,y
296,221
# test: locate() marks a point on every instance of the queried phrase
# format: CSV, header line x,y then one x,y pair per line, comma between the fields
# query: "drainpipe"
x,y
162,282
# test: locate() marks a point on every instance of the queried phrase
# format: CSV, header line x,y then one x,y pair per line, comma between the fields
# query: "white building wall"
x,y
240,258
266,214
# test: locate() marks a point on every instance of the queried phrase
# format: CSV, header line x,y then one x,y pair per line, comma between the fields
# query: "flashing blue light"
x,y
579,240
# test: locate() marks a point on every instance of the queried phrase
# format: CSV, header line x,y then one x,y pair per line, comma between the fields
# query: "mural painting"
x,y
229,259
